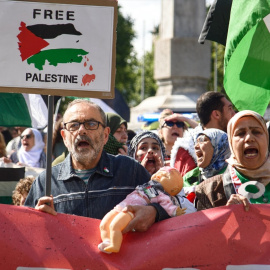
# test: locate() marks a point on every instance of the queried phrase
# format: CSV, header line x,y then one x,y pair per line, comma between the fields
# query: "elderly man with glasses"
x,y
90,182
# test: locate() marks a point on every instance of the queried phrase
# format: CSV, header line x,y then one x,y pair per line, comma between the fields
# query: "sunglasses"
x,y
28,136
171,124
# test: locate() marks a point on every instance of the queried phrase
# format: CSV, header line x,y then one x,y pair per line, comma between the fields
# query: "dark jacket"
x,y
210,193
115,177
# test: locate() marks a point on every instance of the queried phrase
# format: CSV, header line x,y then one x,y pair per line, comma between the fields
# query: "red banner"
x,y
220,238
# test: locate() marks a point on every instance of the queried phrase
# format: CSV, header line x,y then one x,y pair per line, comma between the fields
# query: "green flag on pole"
x,y
24,110
247,55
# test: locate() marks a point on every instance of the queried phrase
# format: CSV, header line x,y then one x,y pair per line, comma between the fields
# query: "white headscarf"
x,y
32,156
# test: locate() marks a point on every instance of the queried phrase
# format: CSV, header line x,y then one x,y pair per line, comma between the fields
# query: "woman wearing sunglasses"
x,y
172,126
31,153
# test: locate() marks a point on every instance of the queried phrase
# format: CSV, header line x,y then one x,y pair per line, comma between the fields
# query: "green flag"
x,y
247,55
216,24
25,110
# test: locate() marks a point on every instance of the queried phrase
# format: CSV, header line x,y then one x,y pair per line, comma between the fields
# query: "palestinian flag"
x,y
25,110
247,55
33,39
216,24
8,181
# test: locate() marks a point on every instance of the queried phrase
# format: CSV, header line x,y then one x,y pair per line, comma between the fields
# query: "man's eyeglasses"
x,y
28,136
171,124
89,125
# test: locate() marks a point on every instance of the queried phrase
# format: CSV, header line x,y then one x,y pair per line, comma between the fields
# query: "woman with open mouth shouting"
x,y
31,153
147,148
211,149
247,177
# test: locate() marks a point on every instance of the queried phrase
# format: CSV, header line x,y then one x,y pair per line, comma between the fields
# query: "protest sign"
x,y
58,47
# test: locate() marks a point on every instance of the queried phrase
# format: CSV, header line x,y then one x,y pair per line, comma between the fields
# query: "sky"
x,y
146,15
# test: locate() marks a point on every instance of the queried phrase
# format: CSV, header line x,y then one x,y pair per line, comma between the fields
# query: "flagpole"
x,y
49,146
215,68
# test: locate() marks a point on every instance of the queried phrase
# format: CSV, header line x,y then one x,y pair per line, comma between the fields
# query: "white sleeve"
x,y
185,203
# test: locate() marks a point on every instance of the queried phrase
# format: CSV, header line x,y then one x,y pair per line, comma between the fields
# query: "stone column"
x,y
182,65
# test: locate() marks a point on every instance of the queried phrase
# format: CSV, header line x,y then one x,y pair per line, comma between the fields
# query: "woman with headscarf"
x,y
31,153
148,149
247,177
211,149
118,135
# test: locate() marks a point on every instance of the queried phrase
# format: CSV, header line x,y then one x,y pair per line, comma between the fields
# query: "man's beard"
x,y
223,124
85,155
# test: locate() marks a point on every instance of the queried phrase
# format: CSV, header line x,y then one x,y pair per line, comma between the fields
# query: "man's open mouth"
x,y
83,144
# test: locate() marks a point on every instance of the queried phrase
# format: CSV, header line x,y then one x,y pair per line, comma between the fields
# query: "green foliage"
x,y
126,59
64,104
128,68
150,86
219,51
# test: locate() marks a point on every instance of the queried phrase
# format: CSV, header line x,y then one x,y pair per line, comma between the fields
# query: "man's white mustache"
x,y
83,138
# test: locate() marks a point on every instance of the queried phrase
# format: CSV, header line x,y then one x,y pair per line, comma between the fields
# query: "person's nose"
x,y
249,137
197,146
150,151
81,129
124,135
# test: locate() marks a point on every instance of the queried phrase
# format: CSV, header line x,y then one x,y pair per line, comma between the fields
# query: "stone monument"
x,y
182,65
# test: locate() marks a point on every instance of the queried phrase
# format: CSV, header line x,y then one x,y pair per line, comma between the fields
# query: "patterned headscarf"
x,y
262,173
137,138
220,143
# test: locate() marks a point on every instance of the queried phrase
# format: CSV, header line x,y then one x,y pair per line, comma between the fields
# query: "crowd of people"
x,y
102,163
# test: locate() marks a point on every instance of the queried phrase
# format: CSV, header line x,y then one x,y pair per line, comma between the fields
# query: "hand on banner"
x,y
238,199
45,204
143,220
